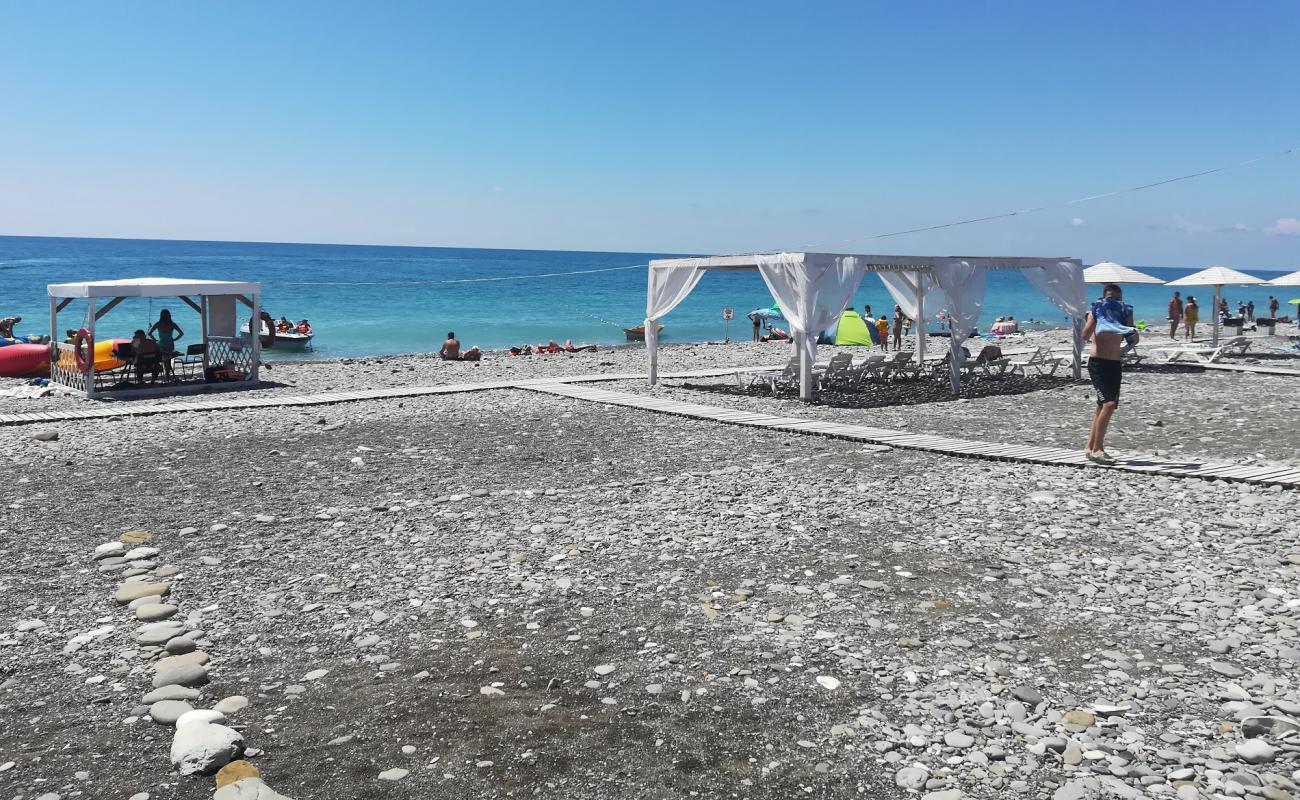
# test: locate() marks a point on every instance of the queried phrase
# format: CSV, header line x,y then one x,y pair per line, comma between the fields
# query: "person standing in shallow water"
x,y
1106,327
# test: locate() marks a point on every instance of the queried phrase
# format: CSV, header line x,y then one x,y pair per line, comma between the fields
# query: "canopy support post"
x,y
805,367
1076,330
109,306
1218,290
255,330
203,315
54,333
90,328
922,284
652,349
954,361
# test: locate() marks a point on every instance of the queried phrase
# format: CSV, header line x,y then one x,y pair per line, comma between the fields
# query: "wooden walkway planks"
x,y
576,386
935,444
1257,369
242,399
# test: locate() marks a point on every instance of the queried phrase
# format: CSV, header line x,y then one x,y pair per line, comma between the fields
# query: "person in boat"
x,y
451,348
166,333
303,327
148,356
283,325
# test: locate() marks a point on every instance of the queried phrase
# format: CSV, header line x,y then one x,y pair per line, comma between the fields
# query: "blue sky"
x,y
665,126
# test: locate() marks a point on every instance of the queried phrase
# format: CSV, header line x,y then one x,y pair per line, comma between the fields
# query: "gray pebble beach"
x,y
507,594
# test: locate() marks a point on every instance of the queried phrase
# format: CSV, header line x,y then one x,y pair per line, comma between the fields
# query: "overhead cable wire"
x,y
873,237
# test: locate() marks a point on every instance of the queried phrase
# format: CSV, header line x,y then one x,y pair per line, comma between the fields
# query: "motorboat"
x,y
637,334
290,340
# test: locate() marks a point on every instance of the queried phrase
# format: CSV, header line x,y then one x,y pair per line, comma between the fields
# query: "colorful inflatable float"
x,y
26,360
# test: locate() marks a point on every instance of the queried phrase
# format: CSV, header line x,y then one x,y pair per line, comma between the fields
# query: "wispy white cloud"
x,y
1078,222
1285,226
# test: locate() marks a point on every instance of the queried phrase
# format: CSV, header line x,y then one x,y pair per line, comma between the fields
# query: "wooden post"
x,y
922,283
90,373
255,330
203,316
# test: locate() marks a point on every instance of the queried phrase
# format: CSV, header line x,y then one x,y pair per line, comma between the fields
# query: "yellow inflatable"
x,y
104,359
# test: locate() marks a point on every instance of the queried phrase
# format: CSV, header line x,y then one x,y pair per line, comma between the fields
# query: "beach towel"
x,y
1110,315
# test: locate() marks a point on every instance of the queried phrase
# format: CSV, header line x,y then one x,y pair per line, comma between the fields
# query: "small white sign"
x,y
728,314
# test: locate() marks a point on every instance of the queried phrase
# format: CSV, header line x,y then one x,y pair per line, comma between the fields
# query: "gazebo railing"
x,y
63,367
231,352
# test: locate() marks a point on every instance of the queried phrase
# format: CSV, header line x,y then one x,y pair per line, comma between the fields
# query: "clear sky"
x,y
658,126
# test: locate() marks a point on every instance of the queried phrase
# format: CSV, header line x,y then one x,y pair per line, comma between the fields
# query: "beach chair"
x,y
902,365
187,365
871,367
990,362
786,378
837,372
1236,346
1041,361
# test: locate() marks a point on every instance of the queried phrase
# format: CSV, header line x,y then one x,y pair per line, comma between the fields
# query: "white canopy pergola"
x,y
814,288
216,301
1290,279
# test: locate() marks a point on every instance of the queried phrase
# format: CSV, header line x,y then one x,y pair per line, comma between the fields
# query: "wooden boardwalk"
x,y
575,387
1271,476
251,398
1257,369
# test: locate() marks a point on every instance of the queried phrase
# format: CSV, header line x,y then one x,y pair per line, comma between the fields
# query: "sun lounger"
x,y
838,371
872,367
786,378
903,365
1236,346
1042,361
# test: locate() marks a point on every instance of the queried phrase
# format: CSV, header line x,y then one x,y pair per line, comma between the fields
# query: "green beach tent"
x,y
852,330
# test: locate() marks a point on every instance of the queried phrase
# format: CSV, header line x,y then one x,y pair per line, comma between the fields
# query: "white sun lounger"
x,y
1236,346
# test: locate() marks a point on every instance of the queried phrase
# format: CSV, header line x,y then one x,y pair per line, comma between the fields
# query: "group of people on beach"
x,y
1186,314
901,326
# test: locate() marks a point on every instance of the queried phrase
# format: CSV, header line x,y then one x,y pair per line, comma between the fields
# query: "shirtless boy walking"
x,y
1107,324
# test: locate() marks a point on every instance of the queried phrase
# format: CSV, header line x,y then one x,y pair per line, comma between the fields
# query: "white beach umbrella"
x,y
1286,280
1218,277
1110,272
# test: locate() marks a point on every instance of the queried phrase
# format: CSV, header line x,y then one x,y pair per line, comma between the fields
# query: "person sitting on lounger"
x,y
451,348
148,356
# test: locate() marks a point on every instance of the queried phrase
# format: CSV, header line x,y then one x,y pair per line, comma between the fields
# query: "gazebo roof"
x,y
152,287
873,263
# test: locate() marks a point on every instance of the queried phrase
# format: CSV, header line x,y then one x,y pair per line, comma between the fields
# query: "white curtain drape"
x,y
666,288
812,290
1062,283
904,287
963,283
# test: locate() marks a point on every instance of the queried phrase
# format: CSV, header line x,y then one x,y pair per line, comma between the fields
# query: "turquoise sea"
x,y
368,300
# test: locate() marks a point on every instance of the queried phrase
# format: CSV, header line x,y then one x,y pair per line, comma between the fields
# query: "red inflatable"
x,y
22,360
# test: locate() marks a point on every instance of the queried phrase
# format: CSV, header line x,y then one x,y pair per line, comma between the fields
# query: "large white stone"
x,y
203,748
247,789
205,715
